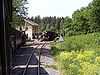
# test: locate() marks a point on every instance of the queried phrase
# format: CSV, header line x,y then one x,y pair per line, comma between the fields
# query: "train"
x,y
48,36
17,38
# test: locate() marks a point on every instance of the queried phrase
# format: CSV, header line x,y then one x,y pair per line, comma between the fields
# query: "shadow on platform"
x,y
19,60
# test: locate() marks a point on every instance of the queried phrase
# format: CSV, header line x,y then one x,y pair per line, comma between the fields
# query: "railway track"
x,y
39,59
30,57
26,70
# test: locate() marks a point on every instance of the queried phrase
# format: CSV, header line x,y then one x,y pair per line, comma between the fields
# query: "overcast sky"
x,y
59,8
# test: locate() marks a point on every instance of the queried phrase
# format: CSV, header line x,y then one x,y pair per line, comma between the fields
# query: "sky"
x,y
59,8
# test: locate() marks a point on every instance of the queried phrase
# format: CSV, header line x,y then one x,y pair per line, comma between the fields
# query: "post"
x,y
4,36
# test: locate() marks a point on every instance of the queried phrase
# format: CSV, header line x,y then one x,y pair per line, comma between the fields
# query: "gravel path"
x,y
47,60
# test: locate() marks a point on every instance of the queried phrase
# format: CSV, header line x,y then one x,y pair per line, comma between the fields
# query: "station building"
x,y
30,28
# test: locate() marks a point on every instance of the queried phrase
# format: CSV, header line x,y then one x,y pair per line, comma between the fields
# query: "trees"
x,y
37,19
19,12
83,21
67,24
95,15
87,19
56,24
80,20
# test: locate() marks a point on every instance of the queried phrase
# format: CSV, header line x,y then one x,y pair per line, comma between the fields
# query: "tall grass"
x,y
78,55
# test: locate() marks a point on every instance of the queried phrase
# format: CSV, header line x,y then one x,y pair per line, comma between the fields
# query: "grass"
x,y
52,66
78,55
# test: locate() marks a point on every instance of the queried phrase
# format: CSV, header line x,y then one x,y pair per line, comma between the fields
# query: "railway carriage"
x,y
17,38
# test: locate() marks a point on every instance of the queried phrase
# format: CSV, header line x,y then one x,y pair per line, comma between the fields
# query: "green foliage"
x,y
60,25
81,19
87,18
78,55
19,12
52,28
95,14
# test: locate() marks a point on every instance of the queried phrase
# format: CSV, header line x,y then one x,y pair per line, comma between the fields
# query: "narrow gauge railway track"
x,y
29,59
39,59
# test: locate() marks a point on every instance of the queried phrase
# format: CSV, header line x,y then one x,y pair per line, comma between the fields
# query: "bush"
x,y
79,55
79,63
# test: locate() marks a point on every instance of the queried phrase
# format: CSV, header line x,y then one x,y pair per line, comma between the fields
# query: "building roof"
x,y
31,22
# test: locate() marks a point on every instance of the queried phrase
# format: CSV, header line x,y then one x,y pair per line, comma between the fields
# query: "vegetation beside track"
x,y
78,55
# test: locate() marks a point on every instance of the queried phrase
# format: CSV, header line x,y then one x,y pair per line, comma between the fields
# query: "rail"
x,y
39,59
28,61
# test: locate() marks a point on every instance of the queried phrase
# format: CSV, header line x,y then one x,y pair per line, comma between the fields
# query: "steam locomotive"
x,y
48,36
